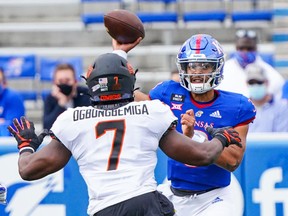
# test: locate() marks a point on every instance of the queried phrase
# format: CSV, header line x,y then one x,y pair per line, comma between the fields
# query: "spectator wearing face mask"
x,y
246,53
272,113
11,105
65,93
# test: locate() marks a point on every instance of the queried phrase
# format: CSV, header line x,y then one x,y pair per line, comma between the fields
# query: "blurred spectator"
x,y
175,75
272,113
246,53
11,105
65,93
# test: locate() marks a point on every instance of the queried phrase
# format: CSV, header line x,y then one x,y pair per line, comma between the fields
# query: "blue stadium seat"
x,y
92,18
280,12
203,10
147,17
21,68
280,37
48,65
96,14
154,11
218,15
251,10
281,63
157,11
255,15
285,90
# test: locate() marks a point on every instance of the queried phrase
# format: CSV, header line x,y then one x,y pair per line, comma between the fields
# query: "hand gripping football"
x,y
124,26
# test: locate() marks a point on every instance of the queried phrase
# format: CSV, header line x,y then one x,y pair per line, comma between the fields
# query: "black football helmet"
x,y
111,80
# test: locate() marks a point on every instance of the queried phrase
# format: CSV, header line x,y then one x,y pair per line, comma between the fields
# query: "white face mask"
x,y
257,92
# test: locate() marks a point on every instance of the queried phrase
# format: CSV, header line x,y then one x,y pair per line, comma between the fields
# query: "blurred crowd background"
x,y
37,35
41,39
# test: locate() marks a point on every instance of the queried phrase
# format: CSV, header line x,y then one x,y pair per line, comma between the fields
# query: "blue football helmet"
x,y
204,52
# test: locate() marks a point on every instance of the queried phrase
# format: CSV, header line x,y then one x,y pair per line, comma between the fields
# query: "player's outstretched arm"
x,y
231,157
35,165
227,135
140,96
185,150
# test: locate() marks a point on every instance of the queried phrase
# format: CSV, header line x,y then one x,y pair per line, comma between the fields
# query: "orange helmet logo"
x,y
110,97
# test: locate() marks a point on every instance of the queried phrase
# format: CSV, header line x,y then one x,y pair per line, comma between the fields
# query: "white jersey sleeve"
x,y
65,129
163,115
115,149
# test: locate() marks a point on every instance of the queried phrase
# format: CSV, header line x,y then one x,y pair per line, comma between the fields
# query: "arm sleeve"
x,y
61,130
163,112
247,111
121,53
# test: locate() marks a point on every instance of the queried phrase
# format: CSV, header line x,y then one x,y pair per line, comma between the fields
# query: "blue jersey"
x,y
226,109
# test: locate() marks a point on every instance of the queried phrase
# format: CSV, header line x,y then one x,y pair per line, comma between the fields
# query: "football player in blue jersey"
x,y
114,143
198,190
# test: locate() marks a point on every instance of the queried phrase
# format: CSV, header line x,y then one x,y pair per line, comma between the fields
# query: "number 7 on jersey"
x,y
119,127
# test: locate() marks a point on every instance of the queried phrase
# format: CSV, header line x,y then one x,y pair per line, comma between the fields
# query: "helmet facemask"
x,y
198,82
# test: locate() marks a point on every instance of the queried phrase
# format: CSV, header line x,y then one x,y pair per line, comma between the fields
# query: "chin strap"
x,y
83,77
136,89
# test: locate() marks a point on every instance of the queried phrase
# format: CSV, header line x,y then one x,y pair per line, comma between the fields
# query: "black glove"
x,y
25,135
226,135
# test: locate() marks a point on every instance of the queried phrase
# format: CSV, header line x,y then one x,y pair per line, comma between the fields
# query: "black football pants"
x,y
149,204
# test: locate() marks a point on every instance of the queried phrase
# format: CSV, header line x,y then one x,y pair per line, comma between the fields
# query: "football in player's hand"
x,y
124,26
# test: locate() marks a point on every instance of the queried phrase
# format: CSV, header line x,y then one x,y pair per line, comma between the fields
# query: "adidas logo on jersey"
x,y
217,199
216,114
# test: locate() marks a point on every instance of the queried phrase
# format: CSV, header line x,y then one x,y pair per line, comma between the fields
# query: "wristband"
x,y
222,139
26,149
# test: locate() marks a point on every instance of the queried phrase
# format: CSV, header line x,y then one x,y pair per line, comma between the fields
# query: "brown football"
x,y
124,26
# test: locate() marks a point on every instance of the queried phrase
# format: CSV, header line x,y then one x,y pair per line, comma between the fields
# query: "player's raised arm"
x,y
185,150
125,47
125,28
